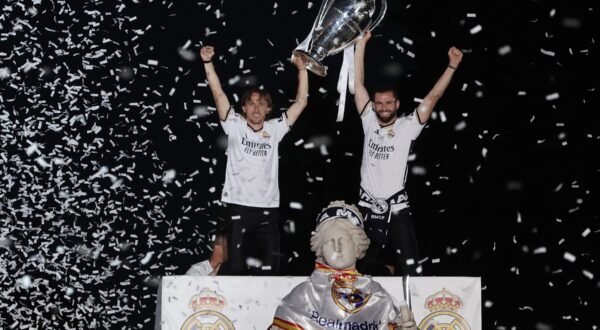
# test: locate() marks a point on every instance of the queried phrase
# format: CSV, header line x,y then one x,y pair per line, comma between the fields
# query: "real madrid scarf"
x,y
337,299
377,219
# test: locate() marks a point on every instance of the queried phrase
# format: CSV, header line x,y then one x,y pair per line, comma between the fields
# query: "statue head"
x,y
339,239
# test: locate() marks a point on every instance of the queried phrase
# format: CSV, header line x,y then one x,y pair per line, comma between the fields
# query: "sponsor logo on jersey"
x,y
257,149
380,151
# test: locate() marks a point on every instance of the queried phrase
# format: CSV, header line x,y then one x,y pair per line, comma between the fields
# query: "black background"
x,y
503,184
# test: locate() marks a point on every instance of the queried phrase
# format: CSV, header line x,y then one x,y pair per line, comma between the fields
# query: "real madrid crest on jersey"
x,y
391,133
207,306
444,306
265,134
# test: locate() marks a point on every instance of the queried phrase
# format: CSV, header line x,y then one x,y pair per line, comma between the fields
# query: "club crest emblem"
x,y
391,133
379,206
348,298
207,306
444,306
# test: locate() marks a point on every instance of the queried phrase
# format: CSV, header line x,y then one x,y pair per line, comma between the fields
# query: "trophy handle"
x,y
321,15
382,11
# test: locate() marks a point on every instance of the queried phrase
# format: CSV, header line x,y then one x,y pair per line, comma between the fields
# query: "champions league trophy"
x,y
339,24
336,296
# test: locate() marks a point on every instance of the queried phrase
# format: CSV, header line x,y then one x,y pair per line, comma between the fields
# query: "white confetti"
x,y
547,52
569,257
253,262
476,29
169,176
461,125
504,50
147,258
25,281
296,205
586,232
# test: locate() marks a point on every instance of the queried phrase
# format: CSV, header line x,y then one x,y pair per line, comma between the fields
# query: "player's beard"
x,y
386,117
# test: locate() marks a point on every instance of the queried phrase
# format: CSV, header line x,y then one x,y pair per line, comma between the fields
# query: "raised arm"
x,y
361,96
294,111
221,101
426,107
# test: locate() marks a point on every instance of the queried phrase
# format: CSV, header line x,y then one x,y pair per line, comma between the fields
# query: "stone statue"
x,y
336,296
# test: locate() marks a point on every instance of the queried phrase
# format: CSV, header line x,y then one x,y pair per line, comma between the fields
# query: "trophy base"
x,y
312,64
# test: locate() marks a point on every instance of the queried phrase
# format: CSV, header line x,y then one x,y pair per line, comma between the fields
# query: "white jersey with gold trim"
x,y
385,153
251,177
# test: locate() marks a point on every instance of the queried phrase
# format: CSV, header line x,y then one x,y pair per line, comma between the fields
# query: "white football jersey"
x,y
385,153
252,173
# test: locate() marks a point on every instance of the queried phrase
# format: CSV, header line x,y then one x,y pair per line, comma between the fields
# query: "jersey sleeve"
x,y
280,126
232,119
413,125
367,116
200,269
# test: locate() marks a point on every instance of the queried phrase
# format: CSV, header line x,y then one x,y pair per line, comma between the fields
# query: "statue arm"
x,y
407,317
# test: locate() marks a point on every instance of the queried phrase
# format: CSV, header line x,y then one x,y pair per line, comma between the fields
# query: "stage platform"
x,y
245,302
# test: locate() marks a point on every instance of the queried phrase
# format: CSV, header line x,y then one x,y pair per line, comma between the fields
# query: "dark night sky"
x,y
112,157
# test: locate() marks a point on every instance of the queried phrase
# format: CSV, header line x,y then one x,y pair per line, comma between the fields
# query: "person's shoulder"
x,y
234,119
275,120
411,116
234,114
368,116
278,124
200,269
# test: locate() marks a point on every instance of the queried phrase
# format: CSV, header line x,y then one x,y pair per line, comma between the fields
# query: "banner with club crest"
x,y
446,302
231,302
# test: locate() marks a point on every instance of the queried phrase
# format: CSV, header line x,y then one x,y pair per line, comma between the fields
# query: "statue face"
x,y
339,249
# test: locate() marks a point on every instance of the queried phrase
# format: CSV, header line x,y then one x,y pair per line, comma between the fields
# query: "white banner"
x,y
446,302
236,302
